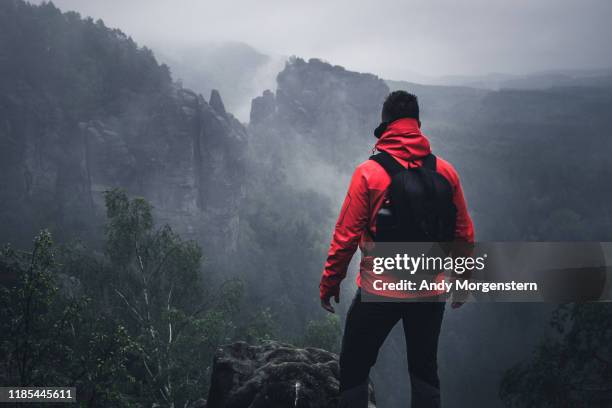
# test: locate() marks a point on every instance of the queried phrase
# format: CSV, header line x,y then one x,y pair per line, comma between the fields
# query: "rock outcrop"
x,y
274,375
331,109
318,122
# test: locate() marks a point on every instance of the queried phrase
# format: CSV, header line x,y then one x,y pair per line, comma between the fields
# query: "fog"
x,y
395,39
83,112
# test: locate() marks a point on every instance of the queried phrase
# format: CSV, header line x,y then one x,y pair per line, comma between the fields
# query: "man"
x,y
369,323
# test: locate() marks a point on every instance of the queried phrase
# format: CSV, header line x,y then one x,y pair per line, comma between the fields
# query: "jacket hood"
x,y
403,139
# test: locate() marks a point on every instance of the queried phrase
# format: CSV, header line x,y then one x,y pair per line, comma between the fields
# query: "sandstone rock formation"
x,y
332,109
274,375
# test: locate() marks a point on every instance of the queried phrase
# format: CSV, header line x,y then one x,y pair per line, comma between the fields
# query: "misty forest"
x,y
143,226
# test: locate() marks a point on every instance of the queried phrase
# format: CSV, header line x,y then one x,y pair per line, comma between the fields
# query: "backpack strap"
x,y
430,162
391,166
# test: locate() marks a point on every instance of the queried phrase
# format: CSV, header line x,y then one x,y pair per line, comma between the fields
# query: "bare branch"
x,y
132,308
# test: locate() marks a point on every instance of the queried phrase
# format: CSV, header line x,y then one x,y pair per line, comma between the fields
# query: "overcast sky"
x,y
391,38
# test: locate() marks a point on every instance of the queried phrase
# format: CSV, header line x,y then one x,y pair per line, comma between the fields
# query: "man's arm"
x,y
464,228
352,222
464,235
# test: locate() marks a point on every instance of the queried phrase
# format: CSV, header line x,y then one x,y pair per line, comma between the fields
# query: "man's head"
x,y
400,104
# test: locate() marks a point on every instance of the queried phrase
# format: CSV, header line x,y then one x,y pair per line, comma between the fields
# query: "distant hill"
x,y
536,80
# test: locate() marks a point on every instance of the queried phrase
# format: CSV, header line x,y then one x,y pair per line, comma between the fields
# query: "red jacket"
x,y
356,223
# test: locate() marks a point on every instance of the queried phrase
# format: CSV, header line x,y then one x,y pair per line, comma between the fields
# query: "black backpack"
x,y
420,207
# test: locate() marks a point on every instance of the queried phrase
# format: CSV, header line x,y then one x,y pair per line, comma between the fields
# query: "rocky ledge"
x,y
274,375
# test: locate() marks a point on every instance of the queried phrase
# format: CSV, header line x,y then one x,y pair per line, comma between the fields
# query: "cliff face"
x,y
83,109
187,160
331,110
183,156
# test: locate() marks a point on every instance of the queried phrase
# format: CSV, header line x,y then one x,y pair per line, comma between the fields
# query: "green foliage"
x,y
49,337
325,333
135,326
262,326
175,321
570,368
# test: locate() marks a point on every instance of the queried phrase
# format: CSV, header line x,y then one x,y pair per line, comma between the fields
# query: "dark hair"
x,y
400,104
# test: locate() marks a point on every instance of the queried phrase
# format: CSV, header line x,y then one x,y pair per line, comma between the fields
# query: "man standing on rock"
x,y
402,149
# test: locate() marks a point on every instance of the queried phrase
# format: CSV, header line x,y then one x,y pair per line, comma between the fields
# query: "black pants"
x,y
367,326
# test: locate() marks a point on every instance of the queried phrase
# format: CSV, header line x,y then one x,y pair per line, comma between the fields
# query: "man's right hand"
x,y
326,303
